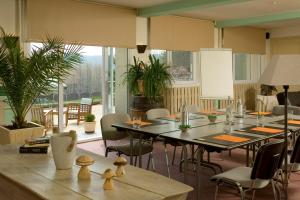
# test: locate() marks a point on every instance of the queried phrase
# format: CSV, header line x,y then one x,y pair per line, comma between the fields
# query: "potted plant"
x,y
89,123
25,78
134,77
184,128
212,117
156,79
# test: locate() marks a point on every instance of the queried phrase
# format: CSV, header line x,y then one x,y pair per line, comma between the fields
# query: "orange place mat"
x,y
294,122
173,116
131,122
260,113
231,138
212,112
266,130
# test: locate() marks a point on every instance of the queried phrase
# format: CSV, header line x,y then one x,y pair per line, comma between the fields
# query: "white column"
x,y
104,79
121,94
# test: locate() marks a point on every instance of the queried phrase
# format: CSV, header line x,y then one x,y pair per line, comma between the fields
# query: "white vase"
x,y
63,147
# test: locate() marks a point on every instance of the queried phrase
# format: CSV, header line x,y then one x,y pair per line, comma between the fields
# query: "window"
x,y
241,66
181,63
248,67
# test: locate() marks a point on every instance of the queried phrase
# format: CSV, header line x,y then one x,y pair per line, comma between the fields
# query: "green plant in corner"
x,y
133,75
89,118
25,78
156,78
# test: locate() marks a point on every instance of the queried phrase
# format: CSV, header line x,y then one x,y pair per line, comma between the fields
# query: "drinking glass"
x,y
290,114
260,119
136,121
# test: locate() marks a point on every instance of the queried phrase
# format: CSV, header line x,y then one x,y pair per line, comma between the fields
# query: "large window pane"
x,y
182,65
160,54
85,81
241,66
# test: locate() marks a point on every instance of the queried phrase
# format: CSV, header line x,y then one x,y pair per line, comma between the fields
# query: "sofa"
x,y
293,103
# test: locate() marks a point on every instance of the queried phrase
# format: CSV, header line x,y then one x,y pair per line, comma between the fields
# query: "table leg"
x,y
199,157
185,162
131,148
253,153
247,155
140,151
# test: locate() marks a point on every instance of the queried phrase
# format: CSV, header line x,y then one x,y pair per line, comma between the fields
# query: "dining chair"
x,y
267,162
45,118
114,134
79,111
156,113
294,165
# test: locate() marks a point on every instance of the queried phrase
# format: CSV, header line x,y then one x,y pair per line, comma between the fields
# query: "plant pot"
x,y
18,136
63,155
89,127
212,119
141,86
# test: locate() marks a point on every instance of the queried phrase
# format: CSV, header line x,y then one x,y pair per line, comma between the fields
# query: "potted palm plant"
x,y
134,77
25,78
89,123
156,79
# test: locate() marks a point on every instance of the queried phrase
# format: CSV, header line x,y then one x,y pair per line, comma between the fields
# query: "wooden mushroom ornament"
x,y
84,161
108,175
120,162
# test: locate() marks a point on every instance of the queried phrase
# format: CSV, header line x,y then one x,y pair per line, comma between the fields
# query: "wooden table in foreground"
x,y
33,176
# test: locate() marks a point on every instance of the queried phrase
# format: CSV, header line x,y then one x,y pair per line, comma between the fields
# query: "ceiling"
x,y
240,11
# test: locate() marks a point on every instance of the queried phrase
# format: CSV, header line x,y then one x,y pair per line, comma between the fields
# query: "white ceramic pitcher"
x,y
63,147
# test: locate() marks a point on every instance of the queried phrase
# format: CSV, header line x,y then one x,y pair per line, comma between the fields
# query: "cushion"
x,y
268,103
279,110
242,176
294,98
125,149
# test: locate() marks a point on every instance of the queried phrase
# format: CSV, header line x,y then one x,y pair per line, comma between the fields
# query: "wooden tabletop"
x,y
37,173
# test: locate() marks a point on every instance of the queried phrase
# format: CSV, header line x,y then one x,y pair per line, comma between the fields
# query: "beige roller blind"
x,y
180,33
286,45
78,21
245,40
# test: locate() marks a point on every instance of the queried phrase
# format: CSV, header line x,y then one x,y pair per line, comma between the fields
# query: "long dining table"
x,y
243,132
34,177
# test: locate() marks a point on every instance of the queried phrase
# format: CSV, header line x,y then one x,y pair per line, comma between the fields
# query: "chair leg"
x,y
290,170
149,160
253,195
242,192
216,191
152,161
174,152
181,155
279,192
167,160
135,161
106,152
274,190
